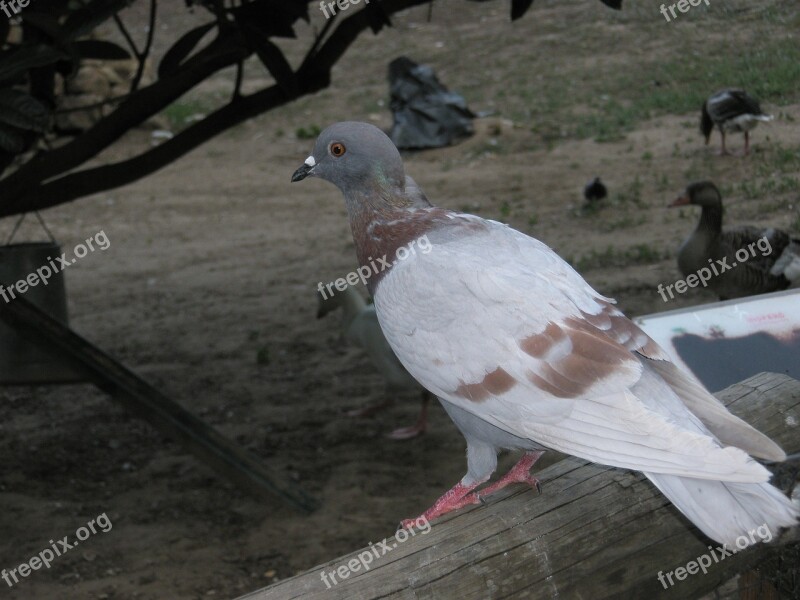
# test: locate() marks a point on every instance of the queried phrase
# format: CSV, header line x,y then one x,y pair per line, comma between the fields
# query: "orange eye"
x,y
338,149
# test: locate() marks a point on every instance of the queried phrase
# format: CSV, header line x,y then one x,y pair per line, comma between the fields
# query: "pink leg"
x,y
459,496
418,428
724,151
519,473
746,143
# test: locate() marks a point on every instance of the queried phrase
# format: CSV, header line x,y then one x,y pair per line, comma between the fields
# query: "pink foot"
x,y
369,410
450,501
407,433
418,428
460,495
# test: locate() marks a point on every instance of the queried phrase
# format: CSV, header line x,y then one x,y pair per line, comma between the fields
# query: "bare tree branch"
x,y
142,57
29,188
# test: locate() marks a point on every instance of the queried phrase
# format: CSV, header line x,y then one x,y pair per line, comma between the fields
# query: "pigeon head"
x,y
355,157
701,193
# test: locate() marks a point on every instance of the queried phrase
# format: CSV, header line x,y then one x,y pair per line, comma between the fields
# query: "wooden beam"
x,y
166,415
594,532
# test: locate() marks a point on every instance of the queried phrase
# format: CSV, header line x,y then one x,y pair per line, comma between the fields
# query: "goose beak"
x,y
680,201
305,170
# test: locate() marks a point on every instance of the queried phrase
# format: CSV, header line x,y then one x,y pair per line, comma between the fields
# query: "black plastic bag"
x,y
425,113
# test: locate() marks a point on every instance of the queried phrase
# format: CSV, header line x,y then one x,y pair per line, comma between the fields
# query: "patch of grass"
x,y
778,158
625,222
639,254
308,133
631,194
609,126
656,86
182,113
662,183
489,147
505,209
771,186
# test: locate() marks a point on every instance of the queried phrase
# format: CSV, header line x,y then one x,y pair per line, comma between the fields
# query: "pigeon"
x,y
595,191
362,330
732,111
771,256
524,355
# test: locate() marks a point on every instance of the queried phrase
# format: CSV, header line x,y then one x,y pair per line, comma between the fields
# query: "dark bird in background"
x,y
732,111
595,191
362,330
773,257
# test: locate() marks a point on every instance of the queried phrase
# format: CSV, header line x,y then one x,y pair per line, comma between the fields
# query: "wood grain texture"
x,y
594,533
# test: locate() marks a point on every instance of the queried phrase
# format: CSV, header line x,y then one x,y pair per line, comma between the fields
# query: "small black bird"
x,y
732,111
595,190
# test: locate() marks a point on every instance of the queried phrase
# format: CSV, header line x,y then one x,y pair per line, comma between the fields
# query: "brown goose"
x,y
732,111
741,261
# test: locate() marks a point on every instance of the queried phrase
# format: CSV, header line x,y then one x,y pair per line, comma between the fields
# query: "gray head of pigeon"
x,y
386,209
360,160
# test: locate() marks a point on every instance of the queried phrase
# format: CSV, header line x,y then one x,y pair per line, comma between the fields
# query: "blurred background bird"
x,y
732,111
773,261
361,329
594,191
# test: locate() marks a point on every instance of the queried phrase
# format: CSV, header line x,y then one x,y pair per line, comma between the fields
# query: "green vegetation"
x,y
640,254
656,86
308,133
181,113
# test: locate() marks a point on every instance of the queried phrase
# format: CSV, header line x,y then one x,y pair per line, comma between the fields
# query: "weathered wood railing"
x,y
593,533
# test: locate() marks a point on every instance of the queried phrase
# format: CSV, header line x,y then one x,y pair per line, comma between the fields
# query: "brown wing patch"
x,y
592,357
493,384
622,330
538,345
584,351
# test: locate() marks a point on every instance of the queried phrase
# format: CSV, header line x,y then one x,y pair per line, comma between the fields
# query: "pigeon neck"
x,y
382,224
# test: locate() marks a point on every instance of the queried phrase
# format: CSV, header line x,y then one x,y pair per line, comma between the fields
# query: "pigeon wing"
x,y
496,323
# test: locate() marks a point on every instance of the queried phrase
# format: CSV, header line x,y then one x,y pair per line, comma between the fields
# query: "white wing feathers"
x,y
509,337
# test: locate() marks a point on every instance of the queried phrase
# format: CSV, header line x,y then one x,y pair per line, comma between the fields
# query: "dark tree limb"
x,y
144,54
40,184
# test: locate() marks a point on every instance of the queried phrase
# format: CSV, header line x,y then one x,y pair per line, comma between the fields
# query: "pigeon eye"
x,y
338,149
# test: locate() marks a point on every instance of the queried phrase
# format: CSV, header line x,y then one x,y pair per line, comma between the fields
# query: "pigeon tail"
x,y
727,512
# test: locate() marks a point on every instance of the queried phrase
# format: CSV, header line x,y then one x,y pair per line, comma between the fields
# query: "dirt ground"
x,y
207,291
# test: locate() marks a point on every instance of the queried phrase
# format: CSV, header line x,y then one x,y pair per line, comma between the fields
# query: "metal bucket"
x,y
21,361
